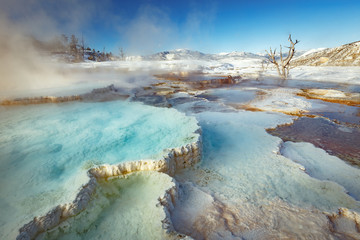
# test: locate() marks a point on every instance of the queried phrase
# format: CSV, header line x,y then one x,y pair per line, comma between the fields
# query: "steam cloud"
x,y
23,66
150,30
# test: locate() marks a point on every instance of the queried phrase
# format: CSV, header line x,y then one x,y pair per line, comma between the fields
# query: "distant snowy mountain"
x,y
237,55
185,54
345,55
178,54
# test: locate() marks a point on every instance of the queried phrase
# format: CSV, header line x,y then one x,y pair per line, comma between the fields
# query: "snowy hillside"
x,y
178,54
345,55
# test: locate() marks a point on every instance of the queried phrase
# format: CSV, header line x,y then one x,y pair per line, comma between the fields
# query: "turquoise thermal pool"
x,y
46,150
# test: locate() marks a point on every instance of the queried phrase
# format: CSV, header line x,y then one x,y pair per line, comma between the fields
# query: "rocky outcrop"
x,y
177,158
345,55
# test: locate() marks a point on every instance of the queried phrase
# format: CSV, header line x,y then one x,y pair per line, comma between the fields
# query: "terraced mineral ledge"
x,y
176,159
57,143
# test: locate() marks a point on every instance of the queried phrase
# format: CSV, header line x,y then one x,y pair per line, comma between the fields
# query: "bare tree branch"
x,y
284,66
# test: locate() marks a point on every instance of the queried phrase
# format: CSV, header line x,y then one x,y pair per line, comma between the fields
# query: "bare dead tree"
x,y
82,46
121,54
283,66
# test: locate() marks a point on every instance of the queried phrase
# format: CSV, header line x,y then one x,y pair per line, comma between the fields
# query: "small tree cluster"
x,y
74,50
77,50
99,56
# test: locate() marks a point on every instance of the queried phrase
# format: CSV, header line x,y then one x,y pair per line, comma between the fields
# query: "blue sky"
x,y
148,26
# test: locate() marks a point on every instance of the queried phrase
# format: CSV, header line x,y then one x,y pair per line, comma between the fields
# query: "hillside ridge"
x,y
344,55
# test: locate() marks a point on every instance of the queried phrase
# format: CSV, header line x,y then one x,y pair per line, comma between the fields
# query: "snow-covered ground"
x,y
248,67
344,75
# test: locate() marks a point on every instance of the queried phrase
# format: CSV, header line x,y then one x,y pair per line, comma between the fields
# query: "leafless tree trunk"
x,y
283,66
121,54
82,46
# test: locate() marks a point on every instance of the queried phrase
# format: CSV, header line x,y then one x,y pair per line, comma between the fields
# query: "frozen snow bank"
x,y
323,166
347,75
